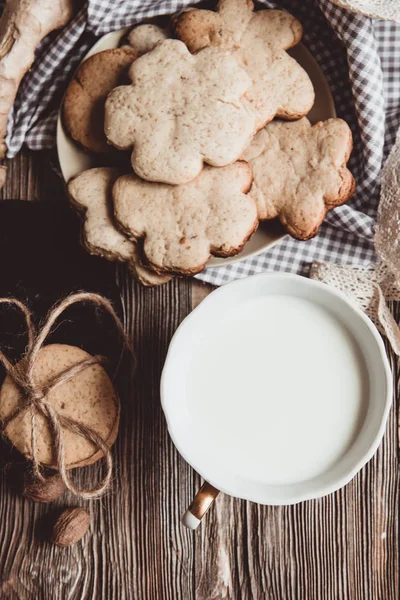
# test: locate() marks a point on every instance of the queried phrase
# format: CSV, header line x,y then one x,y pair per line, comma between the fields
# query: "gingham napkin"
x,y
360,58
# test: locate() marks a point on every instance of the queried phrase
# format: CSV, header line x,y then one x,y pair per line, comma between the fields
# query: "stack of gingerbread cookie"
x,y
211,115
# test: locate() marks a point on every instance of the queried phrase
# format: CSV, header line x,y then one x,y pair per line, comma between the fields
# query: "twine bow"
x,y
35,397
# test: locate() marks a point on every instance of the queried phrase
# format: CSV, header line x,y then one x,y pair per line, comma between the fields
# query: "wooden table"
x,y
344,546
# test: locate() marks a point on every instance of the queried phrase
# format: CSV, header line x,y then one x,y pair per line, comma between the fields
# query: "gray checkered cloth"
x,y
360,58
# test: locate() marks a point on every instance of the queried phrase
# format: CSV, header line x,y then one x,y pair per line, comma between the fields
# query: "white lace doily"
x,y
380,9
371,288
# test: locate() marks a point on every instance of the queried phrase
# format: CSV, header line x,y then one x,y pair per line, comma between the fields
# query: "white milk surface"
x,y
278,391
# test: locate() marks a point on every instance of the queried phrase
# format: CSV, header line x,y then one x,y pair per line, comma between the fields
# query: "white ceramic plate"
x,y
276,389
73,159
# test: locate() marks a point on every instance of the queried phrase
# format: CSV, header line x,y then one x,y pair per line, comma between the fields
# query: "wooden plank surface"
x,y
345,546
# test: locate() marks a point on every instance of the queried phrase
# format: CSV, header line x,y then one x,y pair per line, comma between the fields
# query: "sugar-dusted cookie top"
x,y
144,38
183,225
258,40
300,172
83,107
90,192
180,111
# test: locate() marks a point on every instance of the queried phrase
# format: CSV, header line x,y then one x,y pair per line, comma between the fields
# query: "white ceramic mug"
x,y
276,389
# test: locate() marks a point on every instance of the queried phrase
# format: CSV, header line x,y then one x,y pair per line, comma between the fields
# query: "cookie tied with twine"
x,y
58,405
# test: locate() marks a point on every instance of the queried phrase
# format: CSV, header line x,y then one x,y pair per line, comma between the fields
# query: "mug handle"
x,y
199,505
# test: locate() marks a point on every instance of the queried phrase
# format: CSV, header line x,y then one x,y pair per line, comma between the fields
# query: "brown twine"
x,y
36,396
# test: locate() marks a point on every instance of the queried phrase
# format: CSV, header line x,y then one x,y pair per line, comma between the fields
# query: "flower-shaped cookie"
x,y
300,172
180,111
90,192
258,40
182,225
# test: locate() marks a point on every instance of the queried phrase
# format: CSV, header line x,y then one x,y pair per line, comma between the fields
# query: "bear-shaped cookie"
x,y
180,111
183,225
258,40
300,172
90,193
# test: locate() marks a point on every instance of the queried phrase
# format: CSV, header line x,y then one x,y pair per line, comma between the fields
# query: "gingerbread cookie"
x,y
90,192
88,398
145,37
83,107
300,172
258,40
183,225
180,111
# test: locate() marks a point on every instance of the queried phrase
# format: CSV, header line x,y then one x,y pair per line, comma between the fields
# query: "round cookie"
x,y
89,398
83,107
